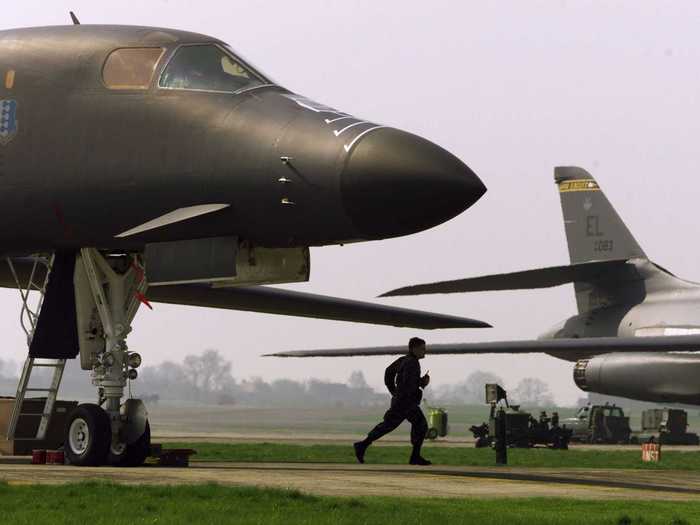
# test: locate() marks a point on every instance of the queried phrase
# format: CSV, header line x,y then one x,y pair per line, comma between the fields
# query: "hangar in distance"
x,y
637,323
137,158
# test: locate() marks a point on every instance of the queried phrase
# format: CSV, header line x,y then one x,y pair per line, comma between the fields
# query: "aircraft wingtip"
x,y
393,293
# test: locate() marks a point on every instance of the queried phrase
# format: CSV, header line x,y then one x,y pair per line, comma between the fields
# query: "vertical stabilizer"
x,y
594,230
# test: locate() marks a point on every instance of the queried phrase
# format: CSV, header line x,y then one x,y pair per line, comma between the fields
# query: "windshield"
x,y
244,60
207,68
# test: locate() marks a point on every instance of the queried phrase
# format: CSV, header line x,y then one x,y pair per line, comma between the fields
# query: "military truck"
x,y
599,424
667,426
522,430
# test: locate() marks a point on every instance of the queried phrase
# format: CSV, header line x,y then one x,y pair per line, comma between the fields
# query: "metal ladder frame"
x,y
31,316
51,395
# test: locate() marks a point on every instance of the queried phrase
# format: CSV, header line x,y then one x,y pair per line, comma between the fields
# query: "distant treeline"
x,y
208,378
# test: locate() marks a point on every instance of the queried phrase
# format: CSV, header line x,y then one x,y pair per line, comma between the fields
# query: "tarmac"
x,y
343,439
383,480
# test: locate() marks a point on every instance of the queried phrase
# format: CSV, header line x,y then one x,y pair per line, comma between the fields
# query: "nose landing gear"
x,y
108,292
131,454
88,435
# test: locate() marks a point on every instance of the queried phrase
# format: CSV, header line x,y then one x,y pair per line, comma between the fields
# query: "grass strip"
x,y
458,456
104,503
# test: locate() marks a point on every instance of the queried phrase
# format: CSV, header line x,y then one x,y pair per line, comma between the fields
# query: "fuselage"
x,y
652,302
108,127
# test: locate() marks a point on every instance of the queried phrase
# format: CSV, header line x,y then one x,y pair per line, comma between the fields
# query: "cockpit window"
x,y
207,68
131,68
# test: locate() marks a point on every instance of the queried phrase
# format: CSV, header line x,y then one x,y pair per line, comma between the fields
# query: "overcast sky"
x,y
513,89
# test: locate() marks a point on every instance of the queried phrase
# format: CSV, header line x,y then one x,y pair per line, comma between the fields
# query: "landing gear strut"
x,y
108,291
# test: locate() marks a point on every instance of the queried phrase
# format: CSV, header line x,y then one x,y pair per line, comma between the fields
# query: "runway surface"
x,y
345,439
385,480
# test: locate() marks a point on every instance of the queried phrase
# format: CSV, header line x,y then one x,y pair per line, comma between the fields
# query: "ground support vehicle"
x,y
666,426
599,424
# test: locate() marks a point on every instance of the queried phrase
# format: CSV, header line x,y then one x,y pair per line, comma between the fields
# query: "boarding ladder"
x,y
34,288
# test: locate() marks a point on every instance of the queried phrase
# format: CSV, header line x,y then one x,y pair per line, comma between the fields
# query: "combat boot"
x,y
360,449
419,460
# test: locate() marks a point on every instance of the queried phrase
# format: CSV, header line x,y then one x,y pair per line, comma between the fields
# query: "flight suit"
x,y
403,379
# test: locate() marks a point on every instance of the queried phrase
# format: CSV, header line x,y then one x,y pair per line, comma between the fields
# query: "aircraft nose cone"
x,y
396,183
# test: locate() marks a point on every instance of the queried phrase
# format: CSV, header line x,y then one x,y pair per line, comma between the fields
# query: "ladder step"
x,y
50,393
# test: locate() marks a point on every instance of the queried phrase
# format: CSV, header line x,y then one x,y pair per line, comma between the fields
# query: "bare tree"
x,y
533,392
192,367
209,373
470,391
216,372
357,380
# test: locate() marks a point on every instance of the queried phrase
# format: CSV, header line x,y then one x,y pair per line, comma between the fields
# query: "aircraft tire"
x,y
88,434
133,455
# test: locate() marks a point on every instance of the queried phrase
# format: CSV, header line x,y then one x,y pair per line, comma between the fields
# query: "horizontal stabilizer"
x,y
593,345
270,300
529,279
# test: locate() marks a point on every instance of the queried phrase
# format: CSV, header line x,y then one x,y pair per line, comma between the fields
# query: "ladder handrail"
x,y
26,311
31,316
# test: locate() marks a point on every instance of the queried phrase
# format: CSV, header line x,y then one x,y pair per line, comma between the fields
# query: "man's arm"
x,y
410,377
425,380
390,377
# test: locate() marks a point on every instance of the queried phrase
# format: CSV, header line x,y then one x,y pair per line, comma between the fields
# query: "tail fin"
x,y
594,230
595,233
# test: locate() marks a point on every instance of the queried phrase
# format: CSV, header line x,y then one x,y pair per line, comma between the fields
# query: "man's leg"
x,y
392,419
419,428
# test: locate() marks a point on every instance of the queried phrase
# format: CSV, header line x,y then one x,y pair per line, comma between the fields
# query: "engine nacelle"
x,y
661,378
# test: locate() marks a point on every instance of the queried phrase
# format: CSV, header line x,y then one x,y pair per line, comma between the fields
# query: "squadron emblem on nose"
x,y
8,121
